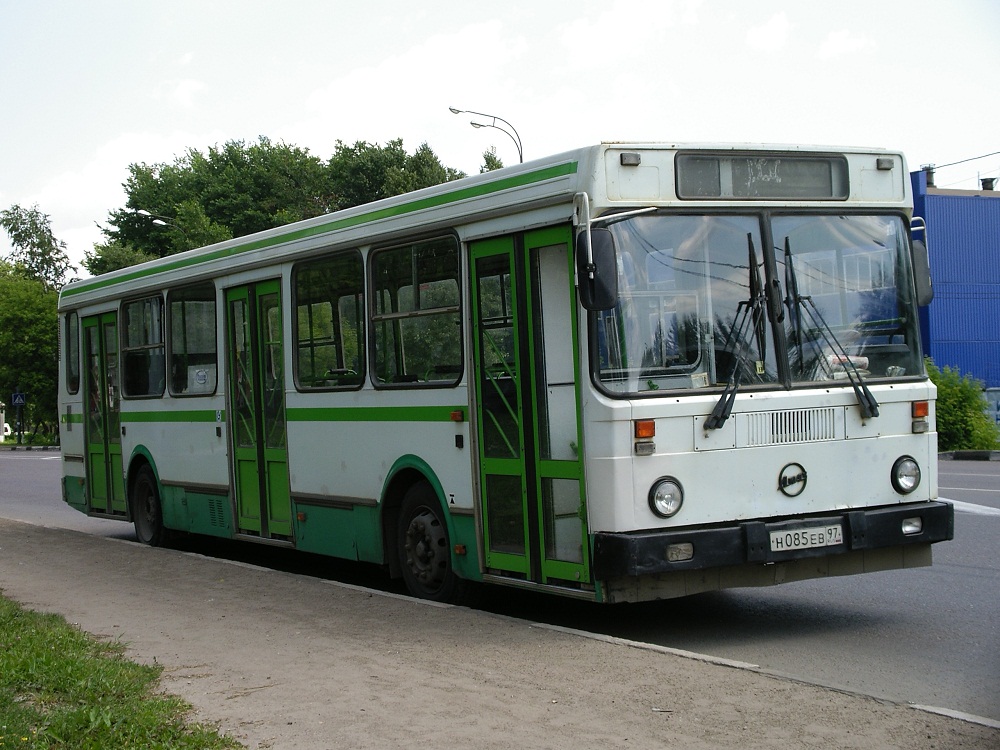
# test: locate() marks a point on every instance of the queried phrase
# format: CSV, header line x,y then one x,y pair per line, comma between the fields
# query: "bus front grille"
x,y
791,426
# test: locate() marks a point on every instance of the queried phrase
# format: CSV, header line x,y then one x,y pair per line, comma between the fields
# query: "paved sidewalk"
x,y
287,661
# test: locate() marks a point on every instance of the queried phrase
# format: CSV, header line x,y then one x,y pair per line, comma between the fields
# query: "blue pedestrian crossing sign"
x,y
18,399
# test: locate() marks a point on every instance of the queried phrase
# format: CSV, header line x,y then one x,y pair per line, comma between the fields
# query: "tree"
x,y
241,188
367,172
114,255
37,253
199,199
29,345
962,423
490,161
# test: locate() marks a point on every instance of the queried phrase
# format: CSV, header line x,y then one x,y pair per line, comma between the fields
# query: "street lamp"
x,y
163,221
156,219
512,133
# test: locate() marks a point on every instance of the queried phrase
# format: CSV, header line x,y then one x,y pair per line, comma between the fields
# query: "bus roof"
x,y
549,181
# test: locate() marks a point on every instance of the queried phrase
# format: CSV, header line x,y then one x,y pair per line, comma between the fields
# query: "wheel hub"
x,y
425,536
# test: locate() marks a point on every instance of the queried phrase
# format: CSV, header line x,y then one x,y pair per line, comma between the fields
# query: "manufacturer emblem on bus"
x,y
792,480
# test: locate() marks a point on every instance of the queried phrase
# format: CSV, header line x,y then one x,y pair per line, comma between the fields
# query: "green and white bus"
x,y
627,372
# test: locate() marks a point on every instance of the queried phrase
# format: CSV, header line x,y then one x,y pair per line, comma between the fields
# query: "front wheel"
x,y
424,549
147,513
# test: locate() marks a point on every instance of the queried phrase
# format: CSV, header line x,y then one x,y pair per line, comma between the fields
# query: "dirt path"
x,y
286,661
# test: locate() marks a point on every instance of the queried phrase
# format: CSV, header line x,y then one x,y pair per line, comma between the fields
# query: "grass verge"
x,y
60,688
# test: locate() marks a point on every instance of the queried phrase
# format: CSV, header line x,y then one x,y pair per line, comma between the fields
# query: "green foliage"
x,y
29,346
962,422
240,188
37,253
367,172
112,256
199,199
490,161
61,689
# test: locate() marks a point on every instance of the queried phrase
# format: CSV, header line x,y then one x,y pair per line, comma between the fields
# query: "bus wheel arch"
x,y
417,536
145,504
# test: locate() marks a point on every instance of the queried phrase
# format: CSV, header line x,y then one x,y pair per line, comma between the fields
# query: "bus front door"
x,y
257,405
105,479
526,375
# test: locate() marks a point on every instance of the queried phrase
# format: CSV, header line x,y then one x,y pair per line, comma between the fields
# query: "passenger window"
x,y
71,350
193,354
329,322
142,353
416,315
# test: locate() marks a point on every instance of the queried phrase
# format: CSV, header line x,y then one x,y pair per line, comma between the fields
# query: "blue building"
x,y
961,327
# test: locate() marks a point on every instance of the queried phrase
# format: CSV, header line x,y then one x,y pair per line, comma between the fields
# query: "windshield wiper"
x,y
794,301
749,311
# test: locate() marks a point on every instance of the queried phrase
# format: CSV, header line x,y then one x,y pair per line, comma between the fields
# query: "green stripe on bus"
x,y
71,418
376,414
434,201
172,416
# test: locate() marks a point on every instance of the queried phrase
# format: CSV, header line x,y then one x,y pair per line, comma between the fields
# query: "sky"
x,y
89,88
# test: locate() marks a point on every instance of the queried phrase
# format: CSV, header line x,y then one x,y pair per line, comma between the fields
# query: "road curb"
x,y
969,456
29,447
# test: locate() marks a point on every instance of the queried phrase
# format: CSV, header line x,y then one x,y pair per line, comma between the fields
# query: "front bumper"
x,y
618,555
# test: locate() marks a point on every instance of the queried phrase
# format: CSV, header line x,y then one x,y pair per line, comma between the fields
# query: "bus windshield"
x,y
707,300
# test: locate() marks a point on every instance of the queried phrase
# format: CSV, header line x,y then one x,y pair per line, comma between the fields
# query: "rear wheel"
x,y
424,549
147,513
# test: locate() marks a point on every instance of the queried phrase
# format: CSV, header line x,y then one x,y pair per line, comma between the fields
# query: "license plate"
x,y
817,536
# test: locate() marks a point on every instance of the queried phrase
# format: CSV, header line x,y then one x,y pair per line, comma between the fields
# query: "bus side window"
x,y
418,335
193,354
142,352
71,349
329,322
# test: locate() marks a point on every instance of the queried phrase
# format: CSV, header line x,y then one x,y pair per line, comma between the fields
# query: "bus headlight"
x,y
666,497
905,475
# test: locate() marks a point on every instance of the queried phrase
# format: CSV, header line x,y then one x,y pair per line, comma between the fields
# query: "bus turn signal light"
x,y
920,409
645,429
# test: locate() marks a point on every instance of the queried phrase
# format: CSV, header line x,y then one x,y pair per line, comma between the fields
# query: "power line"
x,y
963,161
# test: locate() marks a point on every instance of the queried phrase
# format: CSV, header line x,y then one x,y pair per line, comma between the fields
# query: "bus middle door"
x,y
257,404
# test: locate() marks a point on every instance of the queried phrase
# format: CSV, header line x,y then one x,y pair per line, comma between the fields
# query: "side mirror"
x,y
597,270
922,274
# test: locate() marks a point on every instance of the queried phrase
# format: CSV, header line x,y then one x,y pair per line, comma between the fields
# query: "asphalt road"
x,y
928,636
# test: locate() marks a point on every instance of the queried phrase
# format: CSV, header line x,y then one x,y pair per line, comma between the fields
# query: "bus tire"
x,y
424,549
147,513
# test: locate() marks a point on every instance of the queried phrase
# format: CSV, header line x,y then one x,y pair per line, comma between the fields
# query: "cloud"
x,y
842,43
625,28
770,36
407,95
183,92
78,199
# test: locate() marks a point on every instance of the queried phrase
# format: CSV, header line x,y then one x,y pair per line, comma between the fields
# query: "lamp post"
x,y
163,221
157,219
511,133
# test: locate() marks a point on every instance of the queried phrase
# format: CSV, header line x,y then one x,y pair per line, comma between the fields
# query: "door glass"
x,y
274,381
111,358
95,400
554,362
561,511
506,513
498,372
243,403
